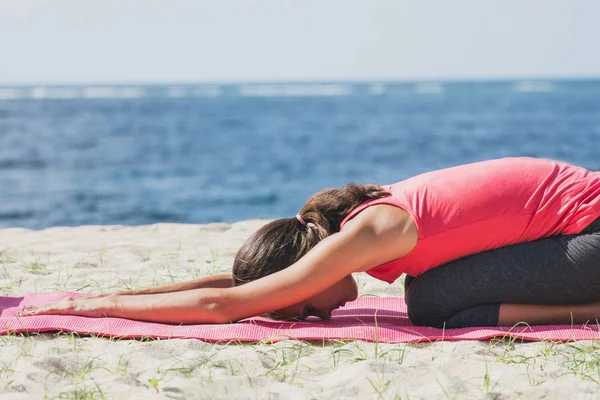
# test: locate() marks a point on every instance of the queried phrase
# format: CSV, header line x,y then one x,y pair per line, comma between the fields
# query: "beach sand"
x,y
104,258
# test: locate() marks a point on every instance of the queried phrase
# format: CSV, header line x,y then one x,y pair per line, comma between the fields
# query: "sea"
x,y
144,154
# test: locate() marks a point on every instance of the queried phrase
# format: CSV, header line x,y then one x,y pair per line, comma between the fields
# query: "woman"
x,y
489,243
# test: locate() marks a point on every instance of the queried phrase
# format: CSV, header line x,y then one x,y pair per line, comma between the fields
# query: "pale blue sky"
x,y
152,41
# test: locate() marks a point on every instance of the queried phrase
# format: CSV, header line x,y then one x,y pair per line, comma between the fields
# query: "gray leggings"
x,y
469,291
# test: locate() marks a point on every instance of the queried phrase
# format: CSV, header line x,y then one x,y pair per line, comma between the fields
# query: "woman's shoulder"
x,y
392,227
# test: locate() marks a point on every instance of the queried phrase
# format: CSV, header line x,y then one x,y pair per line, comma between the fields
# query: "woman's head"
x,y
322,304
273,247
282,242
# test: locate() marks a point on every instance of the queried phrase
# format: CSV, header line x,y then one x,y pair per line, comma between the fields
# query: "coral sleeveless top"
x,y
477,207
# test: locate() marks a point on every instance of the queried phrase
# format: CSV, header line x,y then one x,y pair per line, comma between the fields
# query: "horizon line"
x,y
565,78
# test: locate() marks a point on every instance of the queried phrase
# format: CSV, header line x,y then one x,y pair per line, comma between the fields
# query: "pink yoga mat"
x,y
372,319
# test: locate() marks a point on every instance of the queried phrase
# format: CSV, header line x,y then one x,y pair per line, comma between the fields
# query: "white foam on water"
x,y
98,92
295,90
63,93
533,87
38,92
177,92
377,89
42,92
429,88
206,91
108,92
13,93
131,92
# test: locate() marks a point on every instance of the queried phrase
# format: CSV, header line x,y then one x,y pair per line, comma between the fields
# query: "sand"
x,y
102,258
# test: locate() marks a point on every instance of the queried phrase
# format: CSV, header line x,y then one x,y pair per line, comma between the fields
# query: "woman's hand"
x,y
84,306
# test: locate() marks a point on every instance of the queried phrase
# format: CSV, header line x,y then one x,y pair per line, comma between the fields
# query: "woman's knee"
x,y
423,308
426,307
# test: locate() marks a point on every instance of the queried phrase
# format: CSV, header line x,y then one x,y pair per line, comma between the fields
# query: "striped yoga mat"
x,y
374,319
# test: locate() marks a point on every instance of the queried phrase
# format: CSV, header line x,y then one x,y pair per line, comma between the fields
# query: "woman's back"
x,y
487,205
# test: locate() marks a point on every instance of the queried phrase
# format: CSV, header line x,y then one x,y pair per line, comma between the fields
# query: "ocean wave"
x,y
377,89
55,93
295,90
177,92
13,93
428,88
533,87
206,91
191,91
107,92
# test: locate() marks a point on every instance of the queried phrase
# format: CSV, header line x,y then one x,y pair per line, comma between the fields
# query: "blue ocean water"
x,y
210,153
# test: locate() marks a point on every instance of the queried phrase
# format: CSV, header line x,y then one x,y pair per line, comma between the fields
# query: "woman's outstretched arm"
x,y
214,281
181,307
370,241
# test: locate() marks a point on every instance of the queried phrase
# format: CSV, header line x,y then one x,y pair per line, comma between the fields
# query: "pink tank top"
x,y
477,207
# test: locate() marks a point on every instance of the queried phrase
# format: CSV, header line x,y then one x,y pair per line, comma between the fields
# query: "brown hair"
x,y
282,242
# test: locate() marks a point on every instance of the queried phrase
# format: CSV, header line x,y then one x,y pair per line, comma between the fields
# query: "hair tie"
x,y
299,218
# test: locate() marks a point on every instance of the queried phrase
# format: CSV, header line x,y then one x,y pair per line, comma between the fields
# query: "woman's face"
x,y
322,304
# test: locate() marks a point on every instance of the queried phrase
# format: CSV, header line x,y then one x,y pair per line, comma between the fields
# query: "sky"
x,y
194,41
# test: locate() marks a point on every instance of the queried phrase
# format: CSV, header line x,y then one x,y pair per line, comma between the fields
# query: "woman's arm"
x,y
214,281
366,243
187,307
